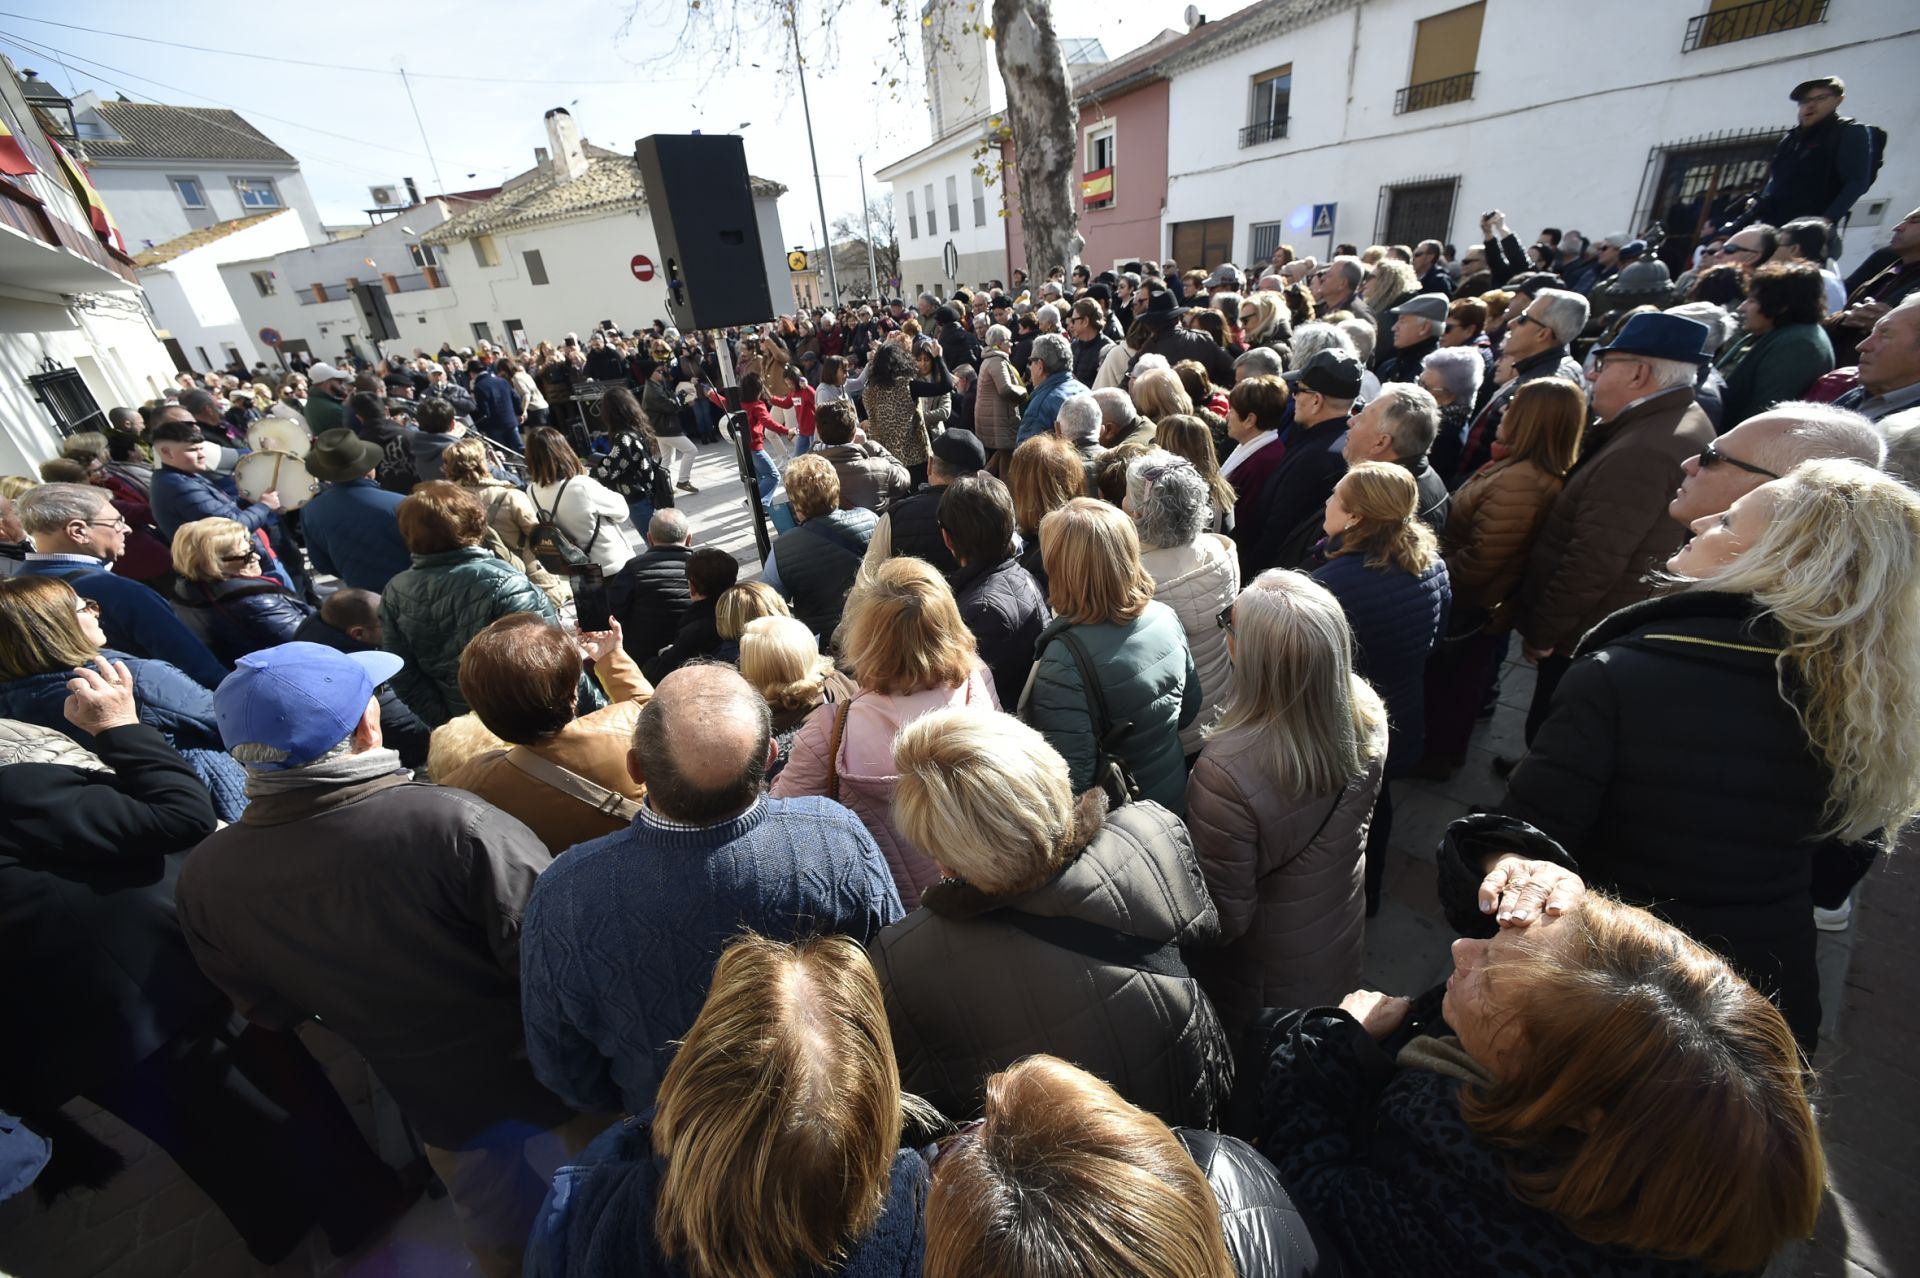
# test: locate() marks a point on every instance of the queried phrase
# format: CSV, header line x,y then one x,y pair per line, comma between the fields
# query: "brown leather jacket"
x,y
1490,528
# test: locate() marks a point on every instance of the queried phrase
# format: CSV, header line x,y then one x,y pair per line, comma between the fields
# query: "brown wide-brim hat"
x,y
339,455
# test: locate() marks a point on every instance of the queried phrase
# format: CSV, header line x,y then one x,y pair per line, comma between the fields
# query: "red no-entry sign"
x,y
642,267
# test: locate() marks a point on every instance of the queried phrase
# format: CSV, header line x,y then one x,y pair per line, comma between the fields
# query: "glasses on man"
x,y
1524,318
1738,250
118,523
1711,456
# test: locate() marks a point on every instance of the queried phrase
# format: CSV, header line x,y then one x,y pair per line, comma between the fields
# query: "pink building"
x,y
1123,161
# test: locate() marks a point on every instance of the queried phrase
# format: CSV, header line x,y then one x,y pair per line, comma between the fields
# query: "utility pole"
x,y
422,126
873,274
800,70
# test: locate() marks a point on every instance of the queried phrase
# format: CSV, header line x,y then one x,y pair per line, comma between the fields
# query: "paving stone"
x,y
167,1253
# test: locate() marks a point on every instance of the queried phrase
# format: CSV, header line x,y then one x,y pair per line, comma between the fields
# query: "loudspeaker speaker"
x,y
372,299
701,200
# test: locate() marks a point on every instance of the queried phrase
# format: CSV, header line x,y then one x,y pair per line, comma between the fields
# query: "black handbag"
x,y
1110,771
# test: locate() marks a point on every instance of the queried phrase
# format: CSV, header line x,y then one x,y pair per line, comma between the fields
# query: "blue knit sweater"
x,y
621,934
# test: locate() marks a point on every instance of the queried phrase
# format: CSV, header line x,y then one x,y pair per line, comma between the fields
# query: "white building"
x,y
192,301
168,170
1413,117
75,339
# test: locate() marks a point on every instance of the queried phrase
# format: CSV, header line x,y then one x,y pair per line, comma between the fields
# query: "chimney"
x,y
540,156
413,192
563,136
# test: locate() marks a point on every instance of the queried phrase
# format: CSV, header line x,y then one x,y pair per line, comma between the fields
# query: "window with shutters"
x,y
979,199
933,221
1267,114
536,269
1446,50
1204,243
913,218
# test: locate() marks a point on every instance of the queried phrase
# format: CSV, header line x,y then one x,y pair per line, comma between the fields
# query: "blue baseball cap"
x,y
286,706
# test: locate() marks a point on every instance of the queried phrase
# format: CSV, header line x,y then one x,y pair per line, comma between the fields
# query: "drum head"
x,y
259,473
278,435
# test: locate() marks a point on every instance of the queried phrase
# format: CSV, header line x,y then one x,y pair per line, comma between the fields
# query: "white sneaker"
x,y
1834,920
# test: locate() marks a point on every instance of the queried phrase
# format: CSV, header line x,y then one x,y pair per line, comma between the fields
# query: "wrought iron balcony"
x,y
1264,131
1419,97
1744,22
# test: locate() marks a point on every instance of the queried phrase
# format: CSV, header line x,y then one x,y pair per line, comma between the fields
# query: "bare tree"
x,y
851,229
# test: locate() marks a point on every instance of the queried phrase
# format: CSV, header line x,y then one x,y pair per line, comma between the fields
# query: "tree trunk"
x,y
1046,131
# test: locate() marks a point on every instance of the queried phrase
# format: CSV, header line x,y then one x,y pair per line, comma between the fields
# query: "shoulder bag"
x,y
1110,770
573,785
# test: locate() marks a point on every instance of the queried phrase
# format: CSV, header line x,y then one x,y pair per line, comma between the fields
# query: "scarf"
x,y
328,773
1442,1056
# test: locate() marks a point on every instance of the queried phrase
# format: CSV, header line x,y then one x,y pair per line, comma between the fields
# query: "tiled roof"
x,y
148,131
160,254
611,184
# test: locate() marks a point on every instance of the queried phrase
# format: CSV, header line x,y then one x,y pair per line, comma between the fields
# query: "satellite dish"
x,y
1194,17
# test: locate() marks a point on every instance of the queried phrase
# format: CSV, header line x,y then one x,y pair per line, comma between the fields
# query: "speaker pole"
x,y
742,445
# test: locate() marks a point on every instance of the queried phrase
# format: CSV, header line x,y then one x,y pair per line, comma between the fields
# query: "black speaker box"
x,y
699,194
375,311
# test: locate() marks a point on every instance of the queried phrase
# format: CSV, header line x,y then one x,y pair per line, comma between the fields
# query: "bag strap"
x,y
1103,725
1090,940
573,785
833,749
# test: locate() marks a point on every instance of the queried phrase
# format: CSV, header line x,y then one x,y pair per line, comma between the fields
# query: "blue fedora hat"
x,y
1662,336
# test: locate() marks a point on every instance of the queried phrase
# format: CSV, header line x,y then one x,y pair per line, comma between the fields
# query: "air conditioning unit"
x,y
384,195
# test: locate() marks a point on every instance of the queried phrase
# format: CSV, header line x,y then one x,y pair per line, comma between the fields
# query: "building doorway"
x,y
1694,185
1203,244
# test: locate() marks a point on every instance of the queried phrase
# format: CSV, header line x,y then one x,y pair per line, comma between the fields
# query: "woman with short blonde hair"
x,y
816,563
225,597
1044,474
781,658
745,603
1159,393
813,488
1106,621
911,654
774,1147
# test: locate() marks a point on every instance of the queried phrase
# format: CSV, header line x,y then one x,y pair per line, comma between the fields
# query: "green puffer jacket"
x,y
1147,673
430,611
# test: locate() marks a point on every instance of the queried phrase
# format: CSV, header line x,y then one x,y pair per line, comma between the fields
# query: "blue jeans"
x,y
642,511
769,477
802,444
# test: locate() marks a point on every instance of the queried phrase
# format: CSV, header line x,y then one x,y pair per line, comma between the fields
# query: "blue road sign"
x,y
1323,218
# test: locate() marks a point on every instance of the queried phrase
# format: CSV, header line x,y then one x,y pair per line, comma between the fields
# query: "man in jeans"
x,y
391,911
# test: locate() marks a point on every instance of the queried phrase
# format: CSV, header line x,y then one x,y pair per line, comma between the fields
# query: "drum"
x,y
278,435
259,473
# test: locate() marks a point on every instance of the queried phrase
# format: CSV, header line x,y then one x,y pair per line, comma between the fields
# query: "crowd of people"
x,y
981,887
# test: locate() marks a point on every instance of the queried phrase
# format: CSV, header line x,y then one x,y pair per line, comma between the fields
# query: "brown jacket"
x,y
1609,528
1490,528
997,408
1289,889
870,476
594,746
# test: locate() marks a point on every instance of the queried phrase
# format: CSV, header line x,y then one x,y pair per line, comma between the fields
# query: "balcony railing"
x,y
1744,22
1419,97
1264,131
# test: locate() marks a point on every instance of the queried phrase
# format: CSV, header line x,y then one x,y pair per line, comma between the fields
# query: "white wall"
x,y
982,248
112,345
195,304
149,211
1558,132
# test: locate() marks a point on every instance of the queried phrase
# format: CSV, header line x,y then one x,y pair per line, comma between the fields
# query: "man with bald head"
x,y
622,933
1765,447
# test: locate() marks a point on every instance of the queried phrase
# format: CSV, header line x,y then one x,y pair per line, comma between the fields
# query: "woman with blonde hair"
x,y
1279,801
1390,283
1158,392
1186,435
1266,321
781,658
1059,926
1492,523
739,607
1064,1179
510,514
225,597
775,1148
1113,680
1045,474
816,563
1783,684
907,648
1382,563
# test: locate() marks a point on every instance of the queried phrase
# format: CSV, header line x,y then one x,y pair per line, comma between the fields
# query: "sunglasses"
x,y
1712,456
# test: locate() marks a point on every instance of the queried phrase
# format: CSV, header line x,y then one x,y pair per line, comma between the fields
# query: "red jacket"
x,y
759,419
803,396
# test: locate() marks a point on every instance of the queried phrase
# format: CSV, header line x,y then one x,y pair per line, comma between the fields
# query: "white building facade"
x,y
942,200
1413,117
191,300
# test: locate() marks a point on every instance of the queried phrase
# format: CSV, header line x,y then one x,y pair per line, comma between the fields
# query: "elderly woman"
x,y
739,607
1569,1110
224,596
1452,375
1045,474
1058,928
1783,350
1194,571
788,1068
455,589
1032,1190
47,632
1383,565
781,658
588,515
1791,663
1279,801
997,406
564,775
814,564
1113,680
510,514
1159,393
911,655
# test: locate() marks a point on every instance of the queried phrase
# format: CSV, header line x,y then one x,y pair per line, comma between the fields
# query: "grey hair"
x,y
1564,312
1152,360
1116,406
1721,326
928,297
668,527
1669,373
1271,283
1047,316
1363,335
1412,417
1459,368
1434,247
1169,499
51,507
1903,446
1820,431
1132,278
1351,269
1078,421
1052,351
963,376
1261,361
1315,336
997,335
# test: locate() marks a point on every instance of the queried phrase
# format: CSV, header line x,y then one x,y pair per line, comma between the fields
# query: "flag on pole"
x,y
103,223
13,160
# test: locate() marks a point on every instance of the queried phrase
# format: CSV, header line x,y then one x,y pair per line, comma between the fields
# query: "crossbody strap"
x,y
833,749
1103,725
573,785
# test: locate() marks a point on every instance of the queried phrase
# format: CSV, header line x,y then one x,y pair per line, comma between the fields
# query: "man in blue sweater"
x,y
77,535
621,934
353,526
496,412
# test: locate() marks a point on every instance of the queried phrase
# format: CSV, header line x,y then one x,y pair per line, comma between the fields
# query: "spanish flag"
x,y
13,160
103,224
1096,188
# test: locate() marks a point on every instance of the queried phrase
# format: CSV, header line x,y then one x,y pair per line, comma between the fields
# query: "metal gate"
x,y
1694,185
1264,238
64,394
1415,210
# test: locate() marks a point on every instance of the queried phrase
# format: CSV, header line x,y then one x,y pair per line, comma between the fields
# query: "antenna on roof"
x,y
1194,17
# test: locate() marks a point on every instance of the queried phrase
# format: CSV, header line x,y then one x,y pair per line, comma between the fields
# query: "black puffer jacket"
x,y
1085,967
649,596
1006,611
1678,777
1266,1236
239,615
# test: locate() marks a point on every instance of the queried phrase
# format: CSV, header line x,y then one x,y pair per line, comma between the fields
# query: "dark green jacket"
x,y
1764,369
1147,673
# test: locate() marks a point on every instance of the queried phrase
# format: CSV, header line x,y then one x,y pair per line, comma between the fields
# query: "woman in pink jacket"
x,y
911,654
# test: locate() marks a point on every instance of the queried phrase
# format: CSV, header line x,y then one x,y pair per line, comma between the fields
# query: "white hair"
x,y
1817,431
1363,335
1078,421
1669,373
1459,368
1563,312
1315,336
1047,317
1260,361
1412,417
1116,406
1146,362
1903,446
997,335
1720,325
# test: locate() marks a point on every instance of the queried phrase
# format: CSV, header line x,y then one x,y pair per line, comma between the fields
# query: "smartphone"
x,y
591,606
